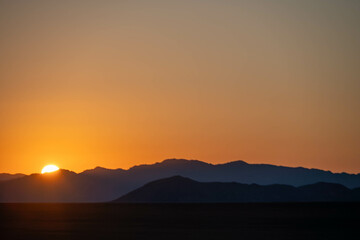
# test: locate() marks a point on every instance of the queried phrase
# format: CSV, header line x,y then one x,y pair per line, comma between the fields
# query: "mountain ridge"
x,y
101,184
241,162
9,176
178,189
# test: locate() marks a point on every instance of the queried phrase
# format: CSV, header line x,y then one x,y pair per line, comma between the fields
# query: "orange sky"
x,y
120,83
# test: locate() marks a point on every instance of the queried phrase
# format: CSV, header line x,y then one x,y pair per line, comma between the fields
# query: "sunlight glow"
x,y
49,168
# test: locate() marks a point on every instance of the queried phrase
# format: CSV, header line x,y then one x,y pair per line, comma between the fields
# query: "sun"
x,y
49,168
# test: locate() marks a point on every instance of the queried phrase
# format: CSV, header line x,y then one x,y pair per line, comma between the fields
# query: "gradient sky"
x,y
120,83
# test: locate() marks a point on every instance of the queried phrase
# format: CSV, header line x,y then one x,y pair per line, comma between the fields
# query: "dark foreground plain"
x,y
180,221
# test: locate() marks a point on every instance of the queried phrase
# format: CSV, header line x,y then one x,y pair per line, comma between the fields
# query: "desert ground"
x,y
180,221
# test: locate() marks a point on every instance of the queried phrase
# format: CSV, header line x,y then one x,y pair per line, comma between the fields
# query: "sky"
x,y
122,83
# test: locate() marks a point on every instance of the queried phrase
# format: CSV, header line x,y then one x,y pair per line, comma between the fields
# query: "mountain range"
x,y
178,189
7,176
101,184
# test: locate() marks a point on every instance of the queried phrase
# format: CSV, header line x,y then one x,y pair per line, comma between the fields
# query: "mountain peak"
x,y
176,161
102,171
174,179
238,163
323,186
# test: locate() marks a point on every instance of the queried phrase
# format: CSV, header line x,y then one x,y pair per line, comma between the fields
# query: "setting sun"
x,y
49,168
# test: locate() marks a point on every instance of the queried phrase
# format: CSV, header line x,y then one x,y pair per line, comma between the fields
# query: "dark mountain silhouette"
x,y
179,189
324,191
238,171
60,186
7,176
101,184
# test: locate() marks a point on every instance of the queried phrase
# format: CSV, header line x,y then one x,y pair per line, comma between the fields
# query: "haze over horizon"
x,y
123,83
